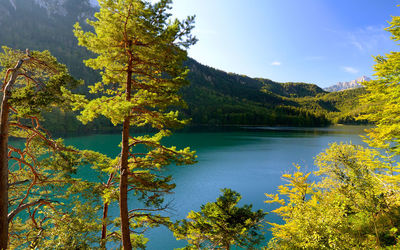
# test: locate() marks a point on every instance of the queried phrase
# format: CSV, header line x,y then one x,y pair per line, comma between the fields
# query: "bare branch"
x,y
17,183
12,214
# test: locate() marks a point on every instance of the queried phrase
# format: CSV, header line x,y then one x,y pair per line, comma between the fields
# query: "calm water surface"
x,y
249,161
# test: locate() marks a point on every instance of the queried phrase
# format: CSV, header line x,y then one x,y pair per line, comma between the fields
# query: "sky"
x,y
314,41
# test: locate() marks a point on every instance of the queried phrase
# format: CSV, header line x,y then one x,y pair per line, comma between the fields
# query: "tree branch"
x,y
12,214
17,183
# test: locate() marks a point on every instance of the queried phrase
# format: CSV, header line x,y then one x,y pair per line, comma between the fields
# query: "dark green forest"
x,y
213,97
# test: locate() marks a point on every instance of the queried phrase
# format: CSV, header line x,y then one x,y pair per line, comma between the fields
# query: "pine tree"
x,y
36,176
140,56
222,224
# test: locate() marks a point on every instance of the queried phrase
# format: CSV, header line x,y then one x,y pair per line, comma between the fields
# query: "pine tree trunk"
x,y
103,242
123,188
4,173
227,246
5,110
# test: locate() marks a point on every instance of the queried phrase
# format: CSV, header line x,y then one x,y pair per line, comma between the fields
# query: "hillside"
x,y
214,97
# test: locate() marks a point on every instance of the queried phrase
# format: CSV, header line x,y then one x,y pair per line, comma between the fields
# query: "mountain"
x,y
348,85
214,97
47,25
52,7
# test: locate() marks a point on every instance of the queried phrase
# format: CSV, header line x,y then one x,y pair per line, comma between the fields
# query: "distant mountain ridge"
x,y
348,85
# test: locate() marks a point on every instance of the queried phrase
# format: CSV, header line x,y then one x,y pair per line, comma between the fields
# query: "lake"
x,y
249,160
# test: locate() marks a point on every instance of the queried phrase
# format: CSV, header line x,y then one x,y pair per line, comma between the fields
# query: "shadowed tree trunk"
x,y
105,216
123,191
5,110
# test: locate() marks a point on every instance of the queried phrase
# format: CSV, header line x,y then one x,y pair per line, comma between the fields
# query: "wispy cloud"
x,y
368,38
276,63
350,70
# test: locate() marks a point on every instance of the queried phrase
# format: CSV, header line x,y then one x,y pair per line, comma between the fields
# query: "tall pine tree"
x,y
140,56
37,174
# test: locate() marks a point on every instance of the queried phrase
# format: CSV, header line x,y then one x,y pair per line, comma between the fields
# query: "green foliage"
x,y
41,83
291,89
354,204
338,107
140,54
222,224
383,95
157,72
67,215
48,205
217,98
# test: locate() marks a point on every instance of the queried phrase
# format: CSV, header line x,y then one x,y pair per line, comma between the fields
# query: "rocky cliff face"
x,y
6,8
348,85
52,7
12,2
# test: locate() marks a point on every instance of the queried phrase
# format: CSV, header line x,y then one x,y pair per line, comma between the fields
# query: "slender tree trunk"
x,y
105,215
378,243
104,228
123,189
4,173
227,246
5,110
123,186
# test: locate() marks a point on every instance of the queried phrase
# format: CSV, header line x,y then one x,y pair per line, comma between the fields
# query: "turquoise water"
x,y
249,161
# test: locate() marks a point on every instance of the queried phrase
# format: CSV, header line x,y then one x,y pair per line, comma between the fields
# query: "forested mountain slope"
x,y
214,97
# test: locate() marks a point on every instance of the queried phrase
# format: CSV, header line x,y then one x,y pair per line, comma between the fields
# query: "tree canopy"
x,y
222,224
383,97
42,194
353,204
140,53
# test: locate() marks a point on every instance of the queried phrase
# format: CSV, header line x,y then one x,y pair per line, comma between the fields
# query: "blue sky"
x,y
314,41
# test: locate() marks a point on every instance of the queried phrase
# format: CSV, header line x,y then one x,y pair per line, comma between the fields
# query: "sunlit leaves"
x,y
383,95
140,54
49,207
221,224
40,84
354,203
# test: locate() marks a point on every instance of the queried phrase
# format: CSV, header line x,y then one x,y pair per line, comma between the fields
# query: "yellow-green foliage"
x,y
221,224
383,97
50,206
354,203
139,52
